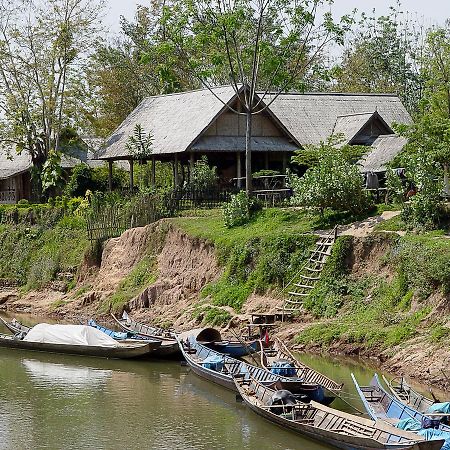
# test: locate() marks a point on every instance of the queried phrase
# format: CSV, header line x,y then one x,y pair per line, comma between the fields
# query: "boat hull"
x,y
310,392
345,443
120,352
235,349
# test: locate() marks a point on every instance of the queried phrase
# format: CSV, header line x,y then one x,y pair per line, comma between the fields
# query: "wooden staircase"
x,y
299,288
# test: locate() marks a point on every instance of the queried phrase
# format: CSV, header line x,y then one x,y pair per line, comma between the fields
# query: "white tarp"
x,y
69,335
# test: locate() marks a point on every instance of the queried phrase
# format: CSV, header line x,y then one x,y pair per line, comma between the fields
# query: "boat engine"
x,y
283,401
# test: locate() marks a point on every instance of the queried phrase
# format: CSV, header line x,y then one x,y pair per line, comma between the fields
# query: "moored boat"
x,y
75,340
15,326
220,368
278,359
400,388
379,404
318,422
169,345
236,349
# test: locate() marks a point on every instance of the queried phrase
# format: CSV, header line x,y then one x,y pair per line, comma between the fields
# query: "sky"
x,y
429,12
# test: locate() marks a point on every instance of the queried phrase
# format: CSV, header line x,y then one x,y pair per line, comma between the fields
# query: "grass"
x,y
141,276
210,315
34,255
371,311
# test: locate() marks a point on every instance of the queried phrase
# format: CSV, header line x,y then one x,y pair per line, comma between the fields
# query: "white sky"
x,y
428,11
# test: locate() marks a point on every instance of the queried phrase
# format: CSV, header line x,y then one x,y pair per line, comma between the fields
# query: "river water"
x,y
50,401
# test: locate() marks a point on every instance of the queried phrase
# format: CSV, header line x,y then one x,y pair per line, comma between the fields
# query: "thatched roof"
x,y
174,120
350,125
12,164
178,121
311,118
384,150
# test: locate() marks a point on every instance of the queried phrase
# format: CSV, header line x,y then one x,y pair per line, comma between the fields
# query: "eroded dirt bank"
x,y
182,265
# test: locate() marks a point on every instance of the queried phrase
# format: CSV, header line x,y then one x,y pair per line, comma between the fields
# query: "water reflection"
x,y
71,378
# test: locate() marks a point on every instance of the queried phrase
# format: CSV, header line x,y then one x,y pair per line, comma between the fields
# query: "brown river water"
x,y
50,401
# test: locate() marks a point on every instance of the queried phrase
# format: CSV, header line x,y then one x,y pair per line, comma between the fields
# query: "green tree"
x,y
331,182
264,45
384,55
124,71
42,45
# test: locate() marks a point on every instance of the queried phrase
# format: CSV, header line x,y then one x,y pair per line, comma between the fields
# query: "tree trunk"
x,y
248,153
446,181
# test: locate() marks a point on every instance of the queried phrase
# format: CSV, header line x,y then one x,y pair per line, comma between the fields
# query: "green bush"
x,y
202,176
240,209
85,178
333,182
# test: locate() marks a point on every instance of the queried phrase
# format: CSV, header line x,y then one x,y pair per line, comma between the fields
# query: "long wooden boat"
x,y
401,390
15,326
169,345
220,369
324,424
122,351
278,358
379,404
235,349
128,324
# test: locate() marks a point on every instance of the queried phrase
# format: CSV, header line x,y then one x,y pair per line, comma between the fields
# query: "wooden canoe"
x,y
327,425
235,349
15,326
401,390
197,355
169,345
280,353
122,351
379,404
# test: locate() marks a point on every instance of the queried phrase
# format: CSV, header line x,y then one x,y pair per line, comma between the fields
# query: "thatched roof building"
x,y
189,124
197,121
383,150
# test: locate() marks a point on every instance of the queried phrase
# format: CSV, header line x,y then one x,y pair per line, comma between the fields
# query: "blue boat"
x,y
221,369
380,405
235,349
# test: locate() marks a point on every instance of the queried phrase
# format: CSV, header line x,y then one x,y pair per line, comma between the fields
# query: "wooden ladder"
x,y
299,288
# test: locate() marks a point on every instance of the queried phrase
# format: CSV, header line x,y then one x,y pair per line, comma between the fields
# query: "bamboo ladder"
x,y
304,281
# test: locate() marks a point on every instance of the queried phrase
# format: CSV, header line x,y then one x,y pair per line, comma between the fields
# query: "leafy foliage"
x,y
383,55
238,210
85,178
139,144
332,182
202,176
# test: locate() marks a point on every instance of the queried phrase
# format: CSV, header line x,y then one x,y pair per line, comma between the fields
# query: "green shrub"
x,y
85,178
332,182
438,333
202,176
237,211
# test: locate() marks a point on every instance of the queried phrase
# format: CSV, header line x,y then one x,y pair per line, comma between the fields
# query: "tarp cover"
x,y
430,434
69,335
443,408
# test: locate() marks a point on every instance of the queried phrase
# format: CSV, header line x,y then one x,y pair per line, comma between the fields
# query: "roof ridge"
x,y
189,92
339,94
357,114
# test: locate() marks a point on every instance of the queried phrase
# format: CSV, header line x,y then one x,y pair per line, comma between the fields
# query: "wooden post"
x,y
238,170
248,152
175,171
110,175
131,174
284,169
153,172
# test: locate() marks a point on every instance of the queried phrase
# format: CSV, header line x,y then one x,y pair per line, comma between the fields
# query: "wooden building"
x,y
15,169
187,125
